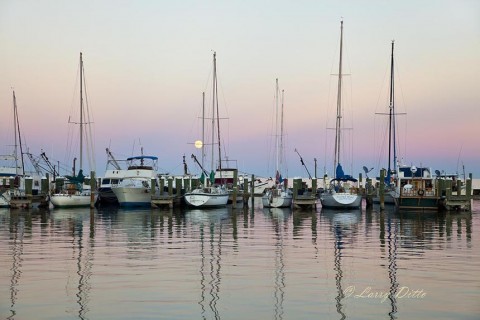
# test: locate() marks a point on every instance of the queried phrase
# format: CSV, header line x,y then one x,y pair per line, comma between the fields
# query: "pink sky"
x,y
147,64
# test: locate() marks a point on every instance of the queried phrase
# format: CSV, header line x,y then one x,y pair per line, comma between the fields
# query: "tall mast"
x,y
338,123
81,112
16,127
391,128
218,116
277,140
213,112
203,127
281,135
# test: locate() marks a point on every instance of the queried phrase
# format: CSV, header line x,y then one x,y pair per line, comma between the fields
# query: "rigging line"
x,y
88,135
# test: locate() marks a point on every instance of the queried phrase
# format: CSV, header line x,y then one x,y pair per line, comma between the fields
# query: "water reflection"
x,y
279,218
278,261
345,227
16,240
84,257
392,234
210,223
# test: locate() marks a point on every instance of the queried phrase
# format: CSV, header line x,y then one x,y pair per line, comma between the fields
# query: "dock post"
x,y
170,186
12,182
295,189
368,193
468,191
28,186
314,190
92,189
179,186
468,187
382,189
252,188
360,180
44,185
152,186
448,189
235,184
162,185
245,192
459,187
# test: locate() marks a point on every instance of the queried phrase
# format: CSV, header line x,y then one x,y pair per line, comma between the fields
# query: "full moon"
x,y
198,144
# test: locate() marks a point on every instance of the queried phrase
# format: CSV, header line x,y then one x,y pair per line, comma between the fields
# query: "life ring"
x,y
421,192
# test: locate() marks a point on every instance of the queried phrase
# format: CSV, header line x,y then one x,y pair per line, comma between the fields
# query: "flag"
x,y
212,176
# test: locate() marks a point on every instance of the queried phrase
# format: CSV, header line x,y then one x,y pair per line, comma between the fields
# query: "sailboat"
x,y
75,192
12,169
341,193
278,196
392,145
210,194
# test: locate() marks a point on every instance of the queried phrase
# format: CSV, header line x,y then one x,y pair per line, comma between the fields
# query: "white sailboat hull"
x,y
341,200
4,200
281,199
70,200
198,198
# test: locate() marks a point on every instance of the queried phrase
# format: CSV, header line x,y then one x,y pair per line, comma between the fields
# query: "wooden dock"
x,y
165,200
28,201
304,198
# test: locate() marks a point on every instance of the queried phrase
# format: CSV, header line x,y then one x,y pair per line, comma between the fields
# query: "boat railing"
x,y
417,192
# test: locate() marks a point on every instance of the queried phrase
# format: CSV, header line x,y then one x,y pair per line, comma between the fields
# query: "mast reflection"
x,y
83,255
344,226
211,257
16,238
280,218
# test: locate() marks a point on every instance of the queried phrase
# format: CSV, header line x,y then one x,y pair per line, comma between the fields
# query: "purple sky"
x,y
147,64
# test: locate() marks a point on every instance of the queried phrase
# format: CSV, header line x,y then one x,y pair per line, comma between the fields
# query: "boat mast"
x,y
213,112
339,107
218,115
81,112
277,140
16,128
203,127
281,135
391,129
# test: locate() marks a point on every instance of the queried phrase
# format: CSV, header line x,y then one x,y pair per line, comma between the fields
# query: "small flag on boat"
x,y
212,176
278,177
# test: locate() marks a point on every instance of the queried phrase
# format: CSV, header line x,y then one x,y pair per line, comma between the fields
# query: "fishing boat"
x,y
135,188
416,188
278,196
114,173
76,192
341,193
210,194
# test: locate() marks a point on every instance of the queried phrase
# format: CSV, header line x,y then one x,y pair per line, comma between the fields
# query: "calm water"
x,y
239,264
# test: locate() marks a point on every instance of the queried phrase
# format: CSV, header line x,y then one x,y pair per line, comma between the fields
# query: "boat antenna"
x,y
303,164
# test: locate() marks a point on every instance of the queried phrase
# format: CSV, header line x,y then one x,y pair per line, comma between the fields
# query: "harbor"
x,y
239,160
283,263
